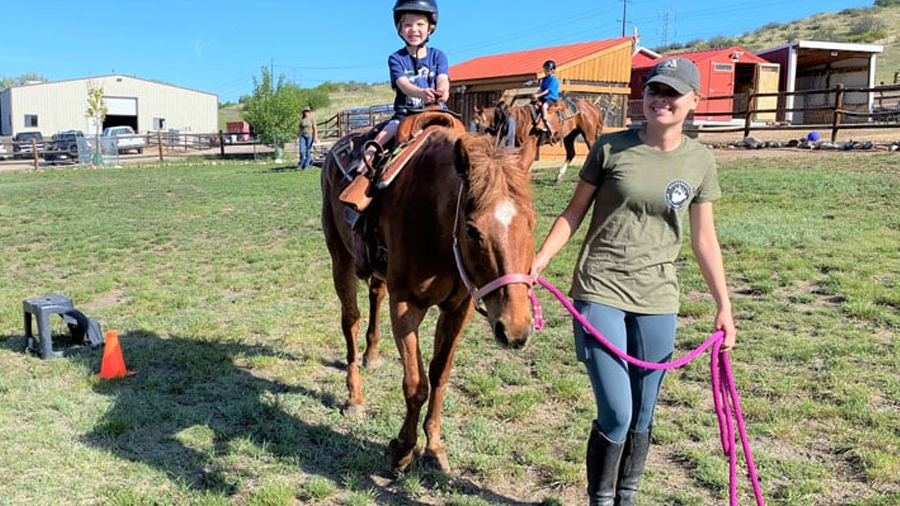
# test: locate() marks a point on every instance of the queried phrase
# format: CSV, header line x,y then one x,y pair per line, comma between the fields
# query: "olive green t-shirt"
x,y
306,126
635,233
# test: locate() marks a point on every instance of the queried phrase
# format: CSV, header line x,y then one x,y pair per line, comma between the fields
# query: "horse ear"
x,y
461,157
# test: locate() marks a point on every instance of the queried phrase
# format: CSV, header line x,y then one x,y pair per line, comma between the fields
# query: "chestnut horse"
x,y
457,224
586,121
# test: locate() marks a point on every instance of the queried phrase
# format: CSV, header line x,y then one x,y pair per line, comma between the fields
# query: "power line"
x,y
666,17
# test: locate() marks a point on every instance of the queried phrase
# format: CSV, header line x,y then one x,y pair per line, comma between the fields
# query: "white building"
x,y
809,65
144,105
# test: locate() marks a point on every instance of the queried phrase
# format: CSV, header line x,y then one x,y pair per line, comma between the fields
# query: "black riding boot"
x,y
634,457
602,468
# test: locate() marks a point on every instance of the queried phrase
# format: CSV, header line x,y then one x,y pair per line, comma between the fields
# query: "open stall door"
x,y
766,79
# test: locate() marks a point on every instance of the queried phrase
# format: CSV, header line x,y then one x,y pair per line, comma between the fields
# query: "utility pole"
x,y
624,15
666,18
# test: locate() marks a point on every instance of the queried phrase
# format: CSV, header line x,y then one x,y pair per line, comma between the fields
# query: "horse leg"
x,y
377,291
347,284
405,321
449,329
569,142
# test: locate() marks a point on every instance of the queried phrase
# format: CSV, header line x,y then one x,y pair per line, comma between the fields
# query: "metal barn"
x,y
144,105
814,65
724,72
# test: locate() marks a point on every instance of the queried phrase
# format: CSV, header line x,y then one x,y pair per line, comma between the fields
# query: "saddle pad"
x,y
567,112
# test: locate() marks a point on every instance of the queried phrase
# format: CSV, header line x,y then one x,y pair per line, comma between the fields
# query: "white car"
x,y
4,153
125,138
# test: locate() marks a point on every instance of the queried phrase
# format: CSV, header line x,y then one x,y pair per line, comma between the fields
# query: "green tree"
x,y
274,109
96,109
7,82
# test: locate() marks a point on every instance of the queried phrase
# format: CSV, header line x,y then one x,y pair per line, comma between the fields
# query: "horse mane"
x,y
495,173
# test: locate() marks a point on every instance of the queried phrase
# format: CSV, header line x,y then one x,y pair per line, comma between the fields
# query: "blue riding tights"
x,y
625,394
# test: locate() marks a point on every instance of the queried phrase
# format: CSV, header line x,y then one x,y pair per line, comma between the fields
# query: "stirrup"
x,y
377,157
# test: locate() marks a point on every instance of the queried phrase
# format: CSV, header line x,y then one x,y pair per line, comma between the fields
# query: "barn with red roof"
x,y
727,75
599,71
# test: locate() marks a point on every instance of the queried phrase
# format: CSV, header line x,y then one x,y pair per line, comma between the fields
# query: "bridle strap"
x,y
479,293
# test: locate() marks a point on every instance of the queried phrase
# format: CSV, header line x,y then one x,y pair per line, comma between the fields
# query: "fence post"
x,y
34,153
159,144
749,117
221,144
838,105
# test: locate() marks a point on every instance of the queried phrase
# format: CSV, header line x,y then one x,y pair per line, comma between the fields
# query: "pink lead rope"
x,y
725,396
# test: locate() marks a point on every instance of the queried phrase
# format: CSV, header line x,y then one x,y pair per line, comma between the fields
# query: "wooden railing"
x,y
829,112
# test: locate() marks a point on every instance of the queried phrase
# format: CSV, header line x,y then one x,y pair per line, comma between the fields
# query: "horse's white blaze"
x,y
504,214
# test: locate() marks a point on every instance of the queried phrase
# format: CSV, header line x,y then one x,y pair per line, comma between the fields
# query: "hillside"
x,y
871,25
345,97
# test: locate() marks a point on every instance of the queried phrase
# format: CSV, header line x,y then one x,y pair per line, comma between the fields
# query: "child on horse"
x,y
548,94
419,76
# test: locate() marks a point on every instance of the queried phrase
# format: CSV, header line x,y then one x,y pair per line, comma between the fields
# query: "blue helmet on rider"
x,y
549,65
428,8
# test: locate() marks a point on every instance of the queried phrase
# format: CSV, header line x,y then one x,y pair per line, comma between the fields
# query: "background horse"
x,y
587,123
459,213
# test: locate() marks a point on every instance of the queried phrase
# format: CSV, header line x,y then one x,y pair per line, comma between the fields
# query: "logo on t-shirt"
x,y
678,194
422,79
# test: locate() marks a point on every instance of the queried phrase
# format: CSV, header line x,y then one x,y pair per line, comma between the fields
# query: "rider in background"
x,y
419,76
506,122
548,94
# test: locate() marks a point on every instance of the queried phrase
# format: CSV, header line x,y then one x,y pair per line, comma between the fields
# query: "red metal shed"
x,y
730,71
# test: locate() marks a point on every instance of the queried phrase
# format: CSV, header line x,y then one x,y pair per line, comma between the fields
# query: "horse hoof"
x,y
373,363
437,460
354,410
397,460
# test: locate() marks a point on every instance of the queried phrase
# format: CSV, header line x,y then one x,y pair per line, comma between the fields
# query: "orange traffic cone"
x,y
113,364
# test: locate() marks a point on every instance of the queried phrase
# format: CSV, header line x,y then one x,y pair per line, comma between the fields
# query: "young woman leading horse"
x,y
457,225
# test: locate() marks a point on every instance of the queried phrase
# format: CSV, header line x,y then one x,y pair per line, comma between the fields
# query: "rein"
x,y
479,293
725,396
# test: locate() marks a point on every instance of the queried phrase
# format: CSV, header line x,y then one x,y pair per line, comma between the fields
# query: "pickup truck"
x,y
22,144
125,138
66,145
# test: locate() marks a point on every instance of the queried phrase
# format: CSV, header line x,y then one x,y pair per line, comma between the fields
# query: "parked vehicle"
x,y
65,145
4,153
125,139
22,144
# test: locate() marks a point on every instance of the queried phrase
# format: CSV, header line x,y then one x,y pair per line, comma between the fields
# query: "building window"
x,y
722,67
31,121
159,123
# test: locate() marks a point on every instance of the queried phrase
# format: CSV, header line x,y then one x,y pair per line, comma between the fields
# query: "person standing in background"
x,y
307,135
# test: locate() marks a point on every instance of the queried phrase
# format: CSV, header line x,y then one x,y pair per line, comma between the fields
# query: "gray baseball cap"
x,y
678,73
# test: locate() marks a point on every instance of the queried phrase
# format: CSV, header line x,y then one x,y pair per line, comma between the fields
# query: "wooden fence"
x,y
835,113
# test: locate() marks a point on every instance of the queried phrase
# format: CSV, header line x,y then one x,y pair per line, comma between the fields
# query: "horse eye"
x,y
473,232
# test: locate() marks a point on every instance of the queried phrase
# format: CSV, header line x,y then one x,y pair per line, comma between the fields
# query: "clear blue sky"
x,y
219,46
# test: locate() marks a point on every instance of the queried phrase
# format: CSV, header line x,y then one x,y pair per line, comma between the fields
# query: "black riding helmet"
x,y
427,7
550,65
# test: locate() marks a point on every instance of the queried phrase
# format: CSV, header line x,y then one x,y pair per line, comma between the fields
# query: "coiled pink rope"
x,y
725,395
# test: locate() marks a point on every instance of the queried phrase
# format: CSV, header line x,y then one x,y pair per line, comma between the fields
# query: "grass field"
x,y
217,278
